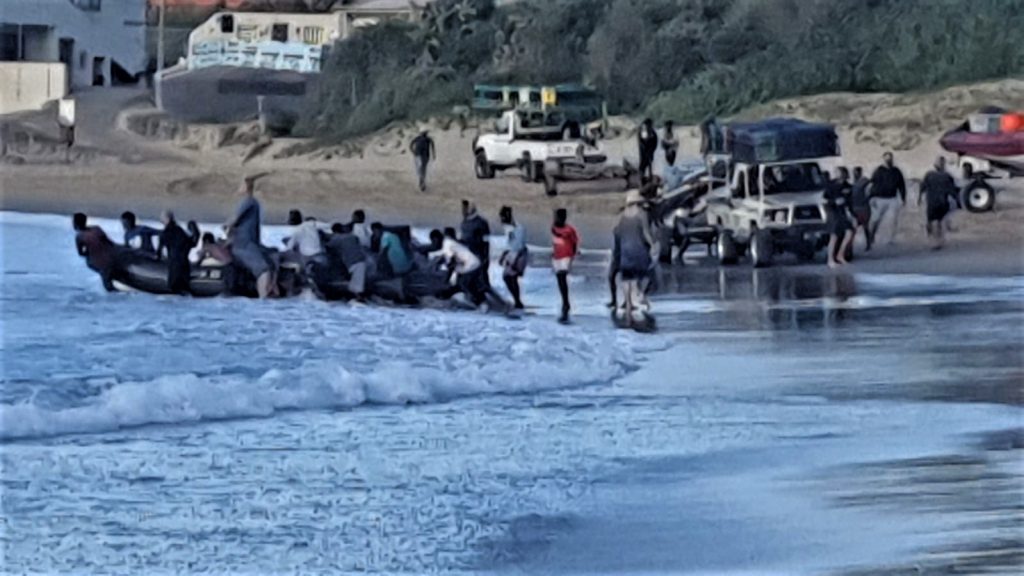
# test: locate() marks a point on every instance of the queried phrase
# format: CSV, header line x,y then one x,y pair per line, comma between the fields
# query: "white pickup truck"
x,y
510,146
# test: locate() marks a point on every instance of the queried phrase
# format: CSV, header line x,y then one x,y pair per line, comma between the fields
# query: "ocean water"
x,y
161,435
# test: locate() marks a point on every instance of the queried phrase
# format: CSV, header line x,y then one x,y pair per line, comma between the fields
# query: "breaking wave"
x,y
322,384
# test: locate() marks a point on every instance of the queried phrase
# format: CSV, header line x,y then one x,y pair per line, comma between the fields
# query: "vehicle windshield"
x,y
793,178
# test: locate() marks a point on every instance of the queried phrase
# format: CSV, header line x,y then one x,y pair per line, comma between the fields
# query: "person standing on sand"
x,y
176,244
860,205
888,193
840,230
670,144
422,148
244,231
515,256
938,188
565,244
647,142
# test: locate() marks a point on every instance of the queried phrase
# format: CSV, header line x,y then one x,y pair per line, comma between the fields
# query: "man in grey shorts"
x,y
244,232
888,194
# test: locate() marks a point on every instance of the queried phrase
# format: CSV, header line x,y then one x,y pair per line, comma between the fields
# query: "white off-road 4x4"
x,y
767,209
510,146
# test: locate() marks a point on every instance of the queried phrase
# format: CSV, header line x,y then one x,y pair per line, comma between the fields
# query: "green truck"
x,y
561,112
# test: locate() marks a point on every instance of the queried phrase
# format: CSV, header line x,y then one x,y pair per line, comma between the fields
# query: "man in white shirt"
x,y
516,255
464,263
304,243
360,228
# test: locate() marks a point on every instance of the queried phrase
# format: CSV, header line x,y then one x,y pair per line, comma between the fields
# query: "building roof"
x,y
287,5
368,5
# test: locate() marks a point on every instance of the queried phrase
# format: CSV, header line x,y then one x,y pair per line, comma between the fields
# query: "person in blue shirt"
x,y
396,259
244,232
138,237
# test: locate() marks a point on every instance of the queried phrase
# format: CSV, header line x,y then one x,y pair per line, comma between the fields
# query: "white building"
x,y
286,41
100,41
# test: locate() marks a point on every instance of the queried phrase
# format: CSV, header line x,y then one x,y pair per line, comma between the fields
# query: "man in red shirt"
x,y
565,243
93,244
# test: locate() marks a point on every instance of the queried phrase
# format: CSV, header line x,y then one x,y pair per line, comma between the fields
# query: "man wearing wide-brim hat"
x,y
632,260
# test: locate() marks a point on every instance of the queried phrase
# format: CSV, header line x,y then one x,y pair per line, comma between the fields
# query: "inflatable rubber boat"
x,y
141,273
135,272
330,283
993,137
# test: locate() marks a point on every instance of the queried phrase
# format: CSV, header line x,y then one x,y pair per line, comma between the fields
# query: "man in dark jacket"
x,y
938,188
176,244
345,252
888,194
474,234
839,218
423,151
647,140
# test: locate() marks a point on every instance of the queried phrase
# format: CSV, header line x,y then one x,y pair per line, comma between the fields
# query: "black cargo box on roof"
x,y
776,140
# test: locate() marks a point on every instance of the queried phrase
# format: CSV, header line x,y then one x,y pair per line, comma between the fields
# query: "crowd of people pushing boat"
x,y
359,260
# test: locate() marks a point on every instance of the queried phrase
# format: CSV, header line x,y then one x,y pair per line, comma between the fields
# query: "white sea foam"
x,y
433,361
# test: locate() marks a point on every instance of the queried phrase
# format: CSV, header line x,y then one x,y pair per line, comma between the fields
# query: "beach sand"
x,y
117,170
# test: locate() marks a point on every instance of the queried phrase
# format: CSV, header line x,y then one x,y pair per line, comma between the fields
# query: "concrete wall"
x,y
30,85
115,32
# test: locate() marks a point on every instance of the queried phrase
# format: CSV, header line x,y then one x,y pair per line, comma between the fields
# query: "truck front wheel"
x,y
762,248
726,245
484,170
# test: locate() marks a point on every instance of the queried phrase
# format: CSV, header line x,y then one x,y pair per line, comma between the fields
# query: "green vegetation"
x,y
678,59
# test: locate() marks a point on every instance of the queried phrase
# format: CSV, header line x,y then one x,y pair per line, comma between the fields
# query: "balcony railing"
x,y
88,5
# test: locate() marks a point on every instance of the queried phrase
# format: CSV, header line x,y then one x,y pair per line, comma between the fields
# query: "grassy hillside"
x,y
678,59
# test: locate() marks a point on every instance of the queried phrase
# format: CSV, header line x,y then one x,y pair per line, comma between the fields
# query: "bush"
x,y
670,59
852,45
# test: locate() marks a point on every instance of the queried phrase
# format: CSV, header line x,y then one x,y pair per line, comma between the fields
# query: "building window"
x,y
88,5
279,33
248,32
313,35
83,59
227,24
